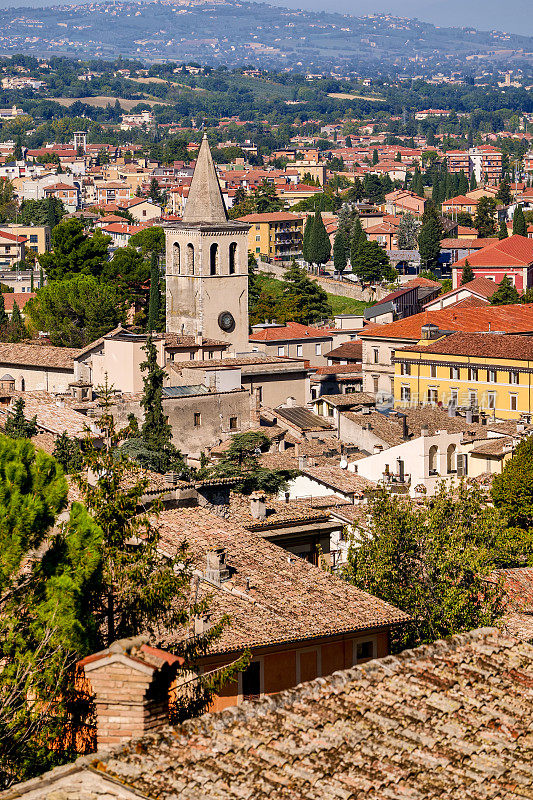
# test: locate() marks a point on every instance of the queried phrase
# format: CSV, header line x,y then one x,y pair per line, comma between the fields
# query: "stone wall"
x,y
331,285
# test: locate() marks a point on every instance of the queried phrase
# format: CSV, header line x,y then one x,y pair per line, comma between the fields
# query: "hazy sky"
x,y
515,16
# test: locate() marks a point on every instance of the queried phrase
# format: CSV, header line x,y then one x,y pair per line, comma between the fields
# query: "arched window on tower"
x,y
190,259
232,258
451,458
213,259
433,459
176,265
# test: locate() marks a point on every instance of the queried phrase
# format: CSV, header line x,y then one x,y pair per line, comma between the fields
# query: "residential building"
x,y
512,257
31,367
488,372
141,209
12,249
112,192
294,341
69,194
479,290
275,236
484,161
459,205
403,201
38,237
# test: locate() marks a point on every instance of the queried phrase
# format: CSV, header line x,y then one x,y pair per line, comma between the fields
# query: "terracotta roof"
x,y
348,400
37,355
466,244
338,369
278,514
497,447
20,298
446,721
515,251
479,345
471,302
518,586
340,480
271,216
292,330
479,285
11,237
270,596
510,319
352,351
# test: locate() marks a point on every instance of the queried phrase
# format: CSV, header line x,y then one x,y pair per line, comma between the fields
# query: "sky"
x,y
514,16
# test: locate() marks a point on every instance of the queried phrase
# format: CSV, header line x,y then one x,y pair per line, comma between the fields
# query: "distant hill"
x,y
244,33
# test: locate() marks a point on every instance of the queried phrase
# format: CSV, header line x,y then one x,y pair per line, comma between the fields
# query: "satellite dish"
x,y
343,464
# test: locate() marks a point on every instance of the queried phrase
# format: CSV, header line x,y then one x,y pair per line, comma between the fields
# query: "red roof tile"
x,y
515,251
292,330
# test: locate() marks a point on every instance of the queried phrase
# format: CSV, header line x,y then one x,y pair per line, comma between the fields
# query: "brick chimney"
x,y
255,406
130,682
258,506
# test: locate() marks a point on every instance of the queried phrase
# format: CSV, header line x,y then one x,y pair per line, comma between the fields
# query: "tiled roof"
x,y
479,345
518,586
339,369
496,447
36,355
20,298
515,251
348,400
278,513
292,330
270,216
510,319
447,721
471,302
466,244
270,597
340,480
352,351
302,418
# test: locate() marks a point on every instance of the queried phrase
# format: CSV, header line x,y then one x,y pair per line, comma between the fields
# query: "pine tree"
x,y
306,238
3,314
484,220
468,274
504,191
375,157
429,238
16,425
319,243
503,232
372,262
339,252
505,294
358,237
68,453
462,183
154,303
17,153
519,222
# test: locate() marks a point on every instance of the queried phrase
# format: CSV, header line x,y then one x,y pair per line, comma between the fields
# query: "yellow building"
x,y
39,237
275,235
489,372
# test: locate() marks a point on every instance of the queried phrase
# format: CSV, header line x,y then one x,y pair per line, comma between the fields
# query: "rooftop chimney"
x,y
258,505
130,682
302,462
217,570
424,430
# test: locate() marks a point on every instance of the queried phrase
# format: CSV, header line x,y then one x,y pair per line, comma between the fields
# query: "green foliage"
x,y
49,211
372,263
429,237
519,222
127,272
319,246
68,453
340,248
154,306
263,199
242,462
407,233
150,240
505,293
504,191
503,232
358,236
15,329
484,220
467,274
512,492
16,425
74,252
432,561
45,624
8,204
307,238
3,314
75,311
303,299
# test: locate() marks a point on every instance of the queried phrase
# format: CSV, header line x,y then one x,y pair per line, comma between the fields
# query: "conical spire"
x,y
205,202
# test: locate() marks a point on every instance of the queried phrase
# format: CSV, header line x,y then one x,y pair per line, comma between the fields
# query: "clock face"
x,y
226,321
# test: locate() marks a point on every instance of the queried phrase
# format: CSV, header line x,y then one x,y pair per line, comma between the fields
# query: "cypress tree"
x,y
17,426
339,252
3,316
41,278
154,303
358,237
375,157
462,183
306,238
429,238
503,233
319,243
519,222
473,182
17,327
468,274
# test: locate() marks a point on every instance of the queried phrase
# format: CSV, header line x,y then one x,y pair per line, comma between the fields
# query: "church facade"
x,y
207,265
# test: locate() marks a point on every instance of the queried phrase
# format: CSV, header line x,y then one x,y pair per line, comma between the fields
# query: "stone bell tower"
x,y
207,264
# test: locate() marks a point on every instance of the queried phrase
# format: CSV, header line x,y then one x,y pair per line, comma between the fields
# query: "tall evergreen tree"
x,y
340,259
473,182
16,425
358,237
429,238
3,314
484,220
468,274
17,329
519,222
504,191
154,303
319,243
462,183
505,294
375,157
503,232
307,238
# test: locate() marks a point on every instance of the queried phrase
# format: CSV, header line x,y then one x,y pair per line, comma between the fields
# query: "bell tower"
x,y
207,264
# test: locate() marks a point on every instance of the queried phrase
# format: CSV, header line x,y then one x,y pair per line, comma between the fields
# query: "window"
x,y
257,238
364,650
281,350
232,257
257,249
210,354
405,393
213,259
33,238
472,374
375,352
233,423
190,259
451,460
433,459
513,402
491,375
251,681
433,395
454,373
318,349
191,356
375,381
454,396
472,398
405,368
433,371
299,350
197,419
491,400
514,378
